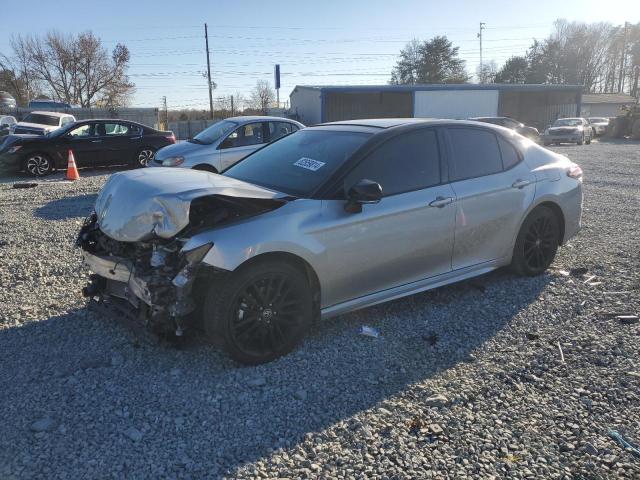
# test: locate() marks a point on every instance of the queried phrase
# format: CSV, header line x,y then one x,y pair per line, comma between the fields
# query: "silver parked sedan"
x,y
225,142
327,220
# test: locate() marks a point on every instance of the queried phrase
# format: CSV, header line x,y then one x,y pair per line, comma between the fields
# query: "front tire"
x,y
38,165
580,142
537,242
259,312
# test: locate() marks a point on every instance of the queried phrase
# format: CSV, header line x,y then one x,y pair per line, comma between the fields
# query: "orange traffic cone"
x,y
72,170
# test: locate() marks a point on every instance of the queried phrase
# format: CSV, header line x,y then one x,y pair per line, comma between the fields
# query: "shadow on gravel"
x,y
69,207
200,415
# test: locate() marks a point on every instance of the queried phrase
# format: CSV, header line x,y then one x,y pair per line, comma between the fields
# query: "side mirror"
x,y
363,192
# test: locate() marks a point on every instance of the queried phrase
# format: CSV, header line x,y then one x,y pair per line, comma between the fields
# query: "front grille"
x,y
562,131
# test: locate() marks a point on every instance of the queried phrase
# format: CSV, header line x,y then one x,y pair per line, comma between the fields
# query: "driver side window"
x,y
82,131
408,162
245,135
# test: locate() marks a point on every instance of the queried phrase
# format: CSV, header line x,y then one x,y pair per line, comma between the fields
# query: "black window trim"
x,y
489,130
336,185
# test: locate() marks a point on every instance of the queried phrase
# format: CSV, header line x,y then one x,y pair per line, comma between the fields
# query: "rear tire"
x,y
260,312
143,157
537,242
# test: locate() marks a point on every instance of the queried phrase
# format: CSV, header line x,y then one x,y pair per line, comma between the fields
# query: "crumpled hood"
x,y
139,205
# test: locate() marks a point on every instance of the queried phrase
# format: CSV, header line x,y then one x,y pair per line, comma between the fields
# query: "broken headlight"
x,y
193,257
197,254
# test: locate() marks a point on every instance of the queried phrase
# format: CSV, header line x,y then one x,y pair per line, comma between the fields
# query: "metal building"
x,y
537,105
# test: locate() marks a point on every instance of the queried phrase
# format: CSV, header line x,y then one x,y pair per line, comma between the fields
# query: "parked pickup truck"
x,y
41,123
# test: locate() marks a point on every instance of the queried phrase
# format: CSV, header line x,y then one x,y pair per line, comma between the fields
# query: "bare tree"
x,y
15,76
262,96
74,69
487,72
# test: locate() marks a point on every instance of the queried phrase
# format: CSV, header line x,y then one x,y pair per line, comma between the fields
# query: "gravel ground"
x,y
465,381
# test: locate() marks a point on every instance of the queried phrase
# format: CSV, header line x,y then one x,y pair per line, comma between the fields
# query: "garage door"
x,y
456,103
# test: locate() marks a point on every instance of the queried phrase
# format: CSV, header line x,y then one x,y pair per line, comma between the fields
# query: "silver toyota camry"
x,y
324,221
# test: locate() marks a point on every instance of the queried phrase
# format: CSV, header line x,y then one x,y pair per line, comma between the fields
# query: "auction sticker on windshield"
x,y
309,164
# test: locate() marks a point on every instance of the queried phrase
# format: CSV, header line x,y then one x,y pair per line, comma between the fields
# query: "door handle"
x,y
520,183
441,202
96,141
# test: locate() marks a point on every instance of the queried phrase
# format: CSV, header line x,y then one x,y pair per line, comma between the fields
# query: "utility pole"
x,y
166,112
206,39
232,105
482,24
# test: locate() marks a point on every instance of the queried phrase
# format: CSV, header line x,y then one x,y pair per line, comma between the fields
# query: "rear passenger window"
x,y
410,161
475,153
510,155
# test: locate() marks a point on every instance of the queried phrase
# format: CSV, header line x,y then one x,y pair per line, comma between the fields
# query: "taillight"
x,y
574,171
171,138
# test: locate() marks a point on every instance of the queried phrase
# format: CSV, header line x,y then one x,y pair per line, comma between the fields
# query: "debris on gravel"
x,y
83,397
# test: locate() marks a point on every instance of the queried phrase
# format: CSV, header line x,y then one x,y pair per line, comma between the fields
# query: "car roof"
x,y
53,114
259,118
386,123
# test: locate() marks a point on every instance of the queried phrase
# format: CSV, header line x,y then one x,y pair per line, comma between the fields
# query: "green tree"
x,y
514,70
432,61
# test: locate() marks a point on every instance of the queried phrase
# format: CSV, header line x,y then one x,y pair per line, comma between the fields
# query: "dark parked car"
x,y
524,130
93,142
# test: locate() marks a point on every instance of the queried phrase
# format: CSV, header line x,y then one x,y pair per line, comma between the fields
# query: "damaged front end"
x,y
155,277
136,253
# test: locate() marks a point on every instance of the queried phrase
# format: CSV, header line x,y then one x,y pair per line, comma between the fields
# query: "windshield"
x,y
567,122
598,120
42,119
299,163
214,132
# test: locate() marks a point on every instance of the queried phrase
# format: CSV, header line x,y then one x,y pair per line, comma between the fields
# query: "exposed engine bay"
x,y
154,277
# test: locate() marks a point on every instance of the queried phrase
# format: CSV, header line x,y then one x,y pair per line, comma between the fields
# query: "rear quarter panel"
x,y
555,186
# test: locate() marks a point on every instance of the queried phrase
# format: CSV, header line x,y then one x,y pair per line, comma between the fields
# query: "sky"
x,y
329,42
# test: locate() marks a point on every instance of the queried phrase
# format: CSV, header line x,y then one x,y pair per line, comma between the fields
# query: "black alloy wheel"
x,y
267,314
144,157
259,312
537,242
38,165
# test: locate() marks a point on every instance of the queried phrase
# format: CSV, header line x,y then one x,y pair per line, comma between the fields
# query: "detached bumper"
x,y
155,292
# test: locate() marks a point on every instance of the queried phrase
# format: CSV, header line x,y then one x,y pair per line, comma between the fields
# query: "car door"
x,y
406,236
493,188
121,141
241,142
85,144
